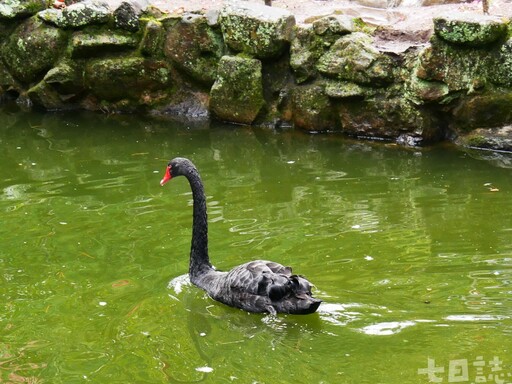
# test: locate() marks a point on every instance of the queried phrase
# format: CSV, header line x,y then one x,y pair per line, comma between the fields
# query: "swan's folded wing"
x,y
278,268
253,277
245,278
259,277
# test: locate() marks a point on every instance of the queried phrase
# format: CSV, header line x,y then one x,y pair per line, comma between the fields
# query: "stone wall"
x,y
251,64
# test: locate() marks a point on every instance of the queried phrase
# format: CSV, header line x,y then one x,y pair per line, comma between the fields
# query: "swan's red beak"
x,y
166,177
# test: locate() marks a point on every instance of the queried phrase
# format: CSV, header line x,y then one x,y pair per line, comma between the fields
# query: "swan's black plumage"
x,y
256,286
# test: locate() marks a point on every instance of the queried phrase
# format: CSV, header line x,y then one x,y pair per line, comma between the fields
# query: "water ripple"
x,y
387,328
178,283
476,318
15,192
344,314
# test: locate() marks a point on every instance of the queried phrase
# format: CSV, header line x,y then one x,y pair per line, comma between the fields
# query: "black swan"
x,y
257,286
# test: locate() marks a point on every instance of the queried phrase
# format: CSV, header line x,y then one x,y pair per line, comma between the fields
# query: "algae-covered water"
x,y
410,250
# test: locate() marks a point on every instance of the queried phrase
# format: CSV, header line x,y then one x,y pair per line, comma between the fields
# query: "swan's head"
x,y
177,167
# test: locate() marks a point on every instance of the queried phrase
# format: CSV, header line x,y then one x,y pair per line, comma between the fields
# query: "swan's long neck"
x,y
199,260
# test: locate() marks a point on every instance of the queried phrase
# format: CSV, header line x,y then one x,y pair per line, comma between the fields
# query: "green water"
x,y
410,249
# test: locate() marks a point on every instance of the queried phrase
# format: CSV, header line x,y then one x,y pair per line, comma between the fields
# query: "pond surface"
x,y
410,249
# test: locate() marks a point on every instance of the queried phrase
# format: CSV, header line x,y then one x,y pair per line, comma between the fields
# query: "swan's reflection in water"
x,y
206,318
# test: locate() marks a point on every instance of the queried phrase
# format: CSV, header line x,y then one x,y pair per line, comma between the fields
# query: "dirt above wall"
x,y
399,27
406,18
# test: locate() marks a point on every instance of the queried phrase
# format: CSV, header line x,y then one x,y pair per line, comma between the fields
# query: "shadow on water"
x,y
204,314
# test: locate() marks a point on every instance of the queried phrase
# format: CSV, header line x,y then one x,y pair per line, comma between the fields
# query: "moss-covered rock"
x,y
7,82
261,31
312,109
32,49
500,65
460,68
152,43
339,89
127,14
332,27
423,91
6,29
306,48
87,12
387,117
66,79
470,29
5,77
494,138
44,95
195,47
353,58
487,110
51,16
237,94
94,42
13,9
126,78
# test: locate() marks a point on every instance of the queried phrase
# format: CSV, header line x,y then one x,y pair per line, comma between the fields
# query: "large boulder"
x,y
126,78
237,94
32,48
261,31
460,68
354,58
470,29
195,47
486,110
387,117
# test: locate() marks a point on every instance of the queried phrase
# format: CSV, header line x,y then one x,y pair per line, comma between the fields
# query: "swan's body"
x,y
257,286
